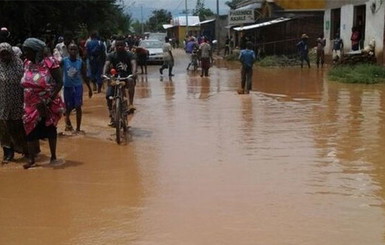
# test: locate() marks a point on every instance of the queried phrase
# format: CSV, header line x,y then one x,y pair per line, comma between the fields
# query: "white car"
x,y
155,50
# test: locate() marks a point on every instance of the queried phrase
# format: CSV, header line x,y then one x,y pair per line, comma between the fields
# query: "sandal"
x,y
29,164
69,128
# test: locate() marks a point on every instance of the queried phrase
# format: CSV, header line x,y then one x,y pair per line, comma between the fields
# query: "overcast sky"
x,y
174,6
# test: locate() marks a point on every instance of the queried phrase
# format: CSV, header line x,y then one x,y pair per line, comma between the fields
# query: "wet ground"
x,y
298,161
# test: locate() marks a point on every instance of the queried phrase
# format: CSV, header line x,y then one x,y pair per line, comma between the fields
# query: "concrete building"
x,y
367,15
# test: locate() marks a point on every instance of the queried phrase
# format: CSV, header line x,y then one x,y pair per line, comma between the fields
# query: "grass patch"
x,y
275,60
363,73
278,60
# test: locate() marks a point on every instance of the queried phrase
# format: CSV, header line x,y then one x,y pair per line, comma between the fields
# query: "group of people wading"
x,y
30,101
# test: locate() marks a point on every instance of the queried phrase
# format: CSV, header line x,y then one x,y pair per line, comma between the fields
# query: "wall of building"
x,y
333,4
375,29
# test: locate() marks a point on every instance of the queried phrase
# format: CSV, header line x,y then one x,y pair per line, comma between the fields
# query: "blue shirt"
x,y
71,72
247,57
302,47
190,46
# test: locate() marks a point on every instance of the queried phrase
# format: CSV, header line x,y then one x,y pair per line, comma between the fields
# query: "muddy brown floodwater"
x,y
300,160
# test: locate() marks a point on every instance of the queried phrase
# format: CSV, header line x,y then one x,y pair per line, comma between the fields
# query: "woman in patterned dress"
x,y
43,106
12,136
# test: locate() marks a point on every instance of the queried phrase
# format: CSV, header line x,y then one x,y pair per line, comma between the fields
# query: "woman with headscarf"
x,y
12,136
43,106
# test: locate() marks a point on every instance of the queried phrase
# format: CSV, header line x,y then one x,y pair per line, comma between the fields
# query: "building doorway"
x,y
359,22
335,24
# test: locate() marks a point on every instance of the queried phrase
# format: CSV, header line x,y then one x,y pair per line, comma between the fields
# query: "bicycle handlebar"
x,y
131,76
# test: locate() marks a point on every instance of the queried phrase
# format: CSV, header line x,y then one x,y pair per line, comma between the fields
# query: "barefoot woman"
x,y
43,107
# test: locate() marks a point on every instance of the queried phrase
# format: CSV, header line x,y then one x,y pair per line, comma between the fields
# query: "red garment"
x,y
38,86
140,50
355,37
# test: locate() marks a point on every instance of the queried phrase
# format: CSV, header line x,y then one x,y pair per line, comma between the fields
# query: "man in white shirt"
x,y
168,58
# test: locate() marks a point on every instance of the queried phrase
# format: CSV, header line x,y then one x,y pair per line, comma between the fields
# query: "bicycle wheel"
x,y
124,117
118,120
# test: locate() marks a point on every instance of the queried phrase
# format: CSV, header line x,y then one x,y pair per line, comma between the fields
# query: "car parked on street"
x,y
157,36
155,49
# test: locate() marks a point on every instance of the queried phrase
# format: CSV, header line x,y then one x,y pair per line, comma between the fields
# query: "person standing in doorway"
x,y
338,46
303,49
168,58
355,38
247,57
321,42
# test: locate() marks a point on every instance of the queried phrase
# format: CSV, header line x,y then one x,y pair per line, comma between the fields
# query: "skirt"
x,y
42,132
12,135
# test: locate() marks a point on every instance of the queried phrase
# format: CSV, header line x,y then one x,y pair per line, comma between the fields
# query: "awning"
x,y
267,23
251,6
206,21
229,26
167,26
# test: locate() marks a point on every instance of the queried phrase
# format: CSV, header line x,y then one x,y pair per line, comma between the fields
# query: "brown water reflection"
x,y
298,161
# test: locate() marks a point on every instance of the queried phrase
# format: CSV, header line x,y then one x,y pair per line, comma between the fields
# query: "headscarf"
x,y
4,34
6,47
35,44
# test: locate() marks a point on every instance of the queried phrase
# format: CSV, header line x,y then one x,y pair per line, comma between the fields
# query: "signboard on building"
x,y
238,17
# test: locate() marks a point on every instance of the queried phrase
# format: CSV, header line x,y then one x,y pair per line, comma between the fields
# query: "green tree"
x,y
201,11
137,26
30,18
158,19
233,3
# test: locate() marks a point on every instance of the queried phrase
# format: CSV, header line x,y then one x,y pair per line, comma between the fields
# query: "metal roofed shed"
x,y
267,23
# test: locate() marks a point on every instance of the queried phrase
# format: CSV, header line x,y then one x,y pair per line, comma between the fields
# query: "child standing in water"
x,y
303,49
74,70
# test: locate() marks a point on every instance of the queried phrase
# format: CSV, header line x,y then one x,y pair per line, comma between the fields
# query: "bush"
x,y
363,73
276,60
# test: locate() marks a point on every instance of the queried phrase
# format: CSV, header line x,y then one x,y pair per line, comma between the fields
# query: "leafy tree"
x,y
137,26
158,19
201,11
26,18
233,3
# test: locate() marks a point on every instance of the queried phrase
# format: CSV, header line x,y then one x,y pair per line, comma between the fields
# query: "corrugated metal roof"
x,y
166,26
206,21
267,23
251,6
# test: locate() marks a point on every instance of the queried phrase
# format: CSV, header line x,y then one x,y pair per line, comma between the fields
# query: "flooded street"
x,y
297,161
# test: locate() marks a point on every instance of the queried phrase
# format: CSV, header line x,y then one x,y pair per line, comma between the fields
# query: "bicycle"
x,y
119,105
194,60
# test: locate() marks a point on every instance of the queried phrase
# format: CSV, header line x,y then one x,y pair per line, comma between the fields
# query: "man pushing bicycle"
x,y
124,63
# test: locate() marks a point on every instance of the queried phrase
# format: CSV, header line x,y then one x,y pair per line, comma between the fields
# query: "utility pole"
x,y
217,29
185,4
141,13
